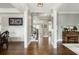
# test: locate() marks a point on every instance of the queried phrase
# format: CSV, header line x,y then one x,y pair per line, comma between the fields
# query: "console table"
x,y
70,36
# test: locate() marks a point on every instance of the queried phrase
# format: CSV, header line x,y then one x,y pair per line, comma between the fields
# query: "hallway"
x,y
46,49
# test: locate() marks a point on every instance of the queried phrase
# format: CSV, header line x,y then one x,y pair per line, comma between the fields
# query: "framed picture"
x,y
15,21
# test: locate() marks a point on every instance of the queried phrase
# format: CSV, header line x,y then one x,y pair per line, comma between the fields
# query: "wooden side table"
x,y
70,37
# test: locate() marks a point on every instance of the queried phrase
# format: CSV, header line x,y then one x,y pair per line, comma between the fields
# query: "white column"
x,y
55,28
25,28
40,36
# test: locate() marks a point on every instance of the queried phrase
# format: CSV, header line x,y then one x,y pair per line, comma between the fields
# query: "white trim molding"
x,y
9,10
68,12
31,41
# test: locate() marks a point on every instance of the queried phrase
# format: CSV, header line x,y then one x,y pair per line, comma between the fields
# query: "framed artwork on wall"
x,y
15,21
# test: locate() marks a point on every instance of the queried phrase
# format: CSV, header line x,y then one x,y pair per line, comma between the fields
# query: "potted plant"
x,y
74,28
65,29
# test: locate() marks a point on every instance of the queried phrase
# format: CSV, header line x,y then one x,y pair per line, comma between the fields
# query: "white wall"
x,y
15,31
66,20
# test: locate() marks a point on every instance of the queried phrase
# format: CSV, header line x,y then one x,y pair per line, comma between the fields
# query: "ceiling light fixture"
x,y
40,4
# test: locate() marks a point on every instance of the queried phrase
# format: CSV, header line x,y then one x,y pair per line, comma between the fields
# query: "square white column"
x,y
54,28
25,28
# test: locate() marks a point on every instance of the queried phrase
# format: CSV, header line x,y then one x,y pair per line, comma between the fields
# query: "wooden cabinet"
x,y
70,36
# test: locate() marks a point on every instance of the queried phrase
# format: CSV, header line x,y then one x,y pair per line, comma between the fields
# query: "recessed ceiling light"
x,y
40,4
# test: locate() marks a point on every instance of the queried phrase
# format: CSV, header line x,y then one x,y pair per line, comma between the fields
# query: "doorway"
x,y
42,28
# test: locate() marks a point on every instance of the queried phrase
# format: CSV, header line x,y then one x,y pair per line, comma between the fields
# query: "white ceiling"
x,y
6,5
47,7
41,12
8,8
69,7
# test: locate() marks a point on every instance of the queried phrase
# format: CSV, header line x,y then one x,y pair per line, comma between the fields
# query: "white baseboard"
x,y
15,39
34,40
54,46
45,36
31,41
59,39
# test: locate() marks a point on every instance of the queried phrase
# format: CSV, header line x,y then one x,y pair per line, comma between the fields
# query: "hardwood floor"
x,y
17,48
44,49
47,49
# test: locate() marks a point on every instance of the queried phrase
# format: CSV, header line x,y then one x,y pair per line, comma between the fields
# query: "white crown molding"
x,y
9,10
20,6
68,12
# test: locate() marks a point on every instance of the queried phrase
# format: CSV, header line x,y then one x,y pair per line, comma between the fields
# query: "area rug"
x,y
73,47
